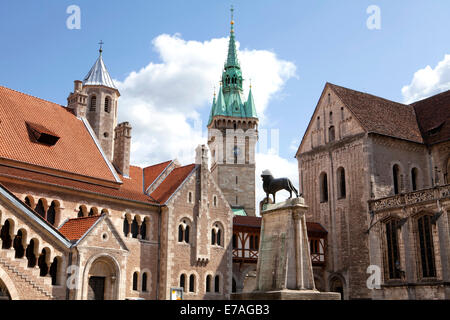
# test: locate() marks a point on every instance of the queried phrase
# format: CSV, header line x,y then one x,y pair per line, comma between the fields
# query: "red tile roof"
x,y
153,172
131,189
380,115
75,151
316,229
433,115
247,221
76,228
171,183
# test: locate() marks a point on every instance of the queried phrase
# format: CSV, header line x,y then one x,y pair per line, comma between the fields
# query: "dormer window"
x,y
39,133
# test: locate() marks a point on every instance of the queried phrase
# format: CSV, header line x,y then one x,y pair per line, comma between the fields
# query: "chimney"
x,y
122,142
201,155
77,100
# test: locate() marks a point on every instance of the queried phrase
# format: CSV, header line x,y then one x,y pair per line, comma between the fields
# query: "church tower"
x,y
101,103
232,136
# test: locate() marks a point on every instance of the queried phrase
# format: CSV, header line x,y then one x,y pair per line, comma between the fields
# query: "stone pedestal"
x,y
284,270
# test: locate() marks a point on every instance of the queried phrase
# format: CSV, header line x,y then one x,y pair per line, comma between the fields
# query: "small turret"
x,y
77,100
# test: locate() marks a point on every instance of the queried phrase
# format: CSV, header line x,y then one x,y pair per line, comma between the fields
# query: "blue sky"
x,y
326,41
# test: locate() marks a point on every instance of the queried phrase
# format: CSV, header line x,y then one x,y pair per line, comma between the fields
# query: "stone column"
x,y
284,269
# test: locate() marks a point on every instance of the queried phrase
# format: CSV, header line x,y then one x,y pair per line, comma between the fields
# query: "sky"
x,y
166,58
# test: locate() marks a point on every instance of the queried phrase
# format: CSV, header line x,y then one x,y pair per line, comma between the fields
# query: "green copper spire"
x,y
250,109
230,102
232,60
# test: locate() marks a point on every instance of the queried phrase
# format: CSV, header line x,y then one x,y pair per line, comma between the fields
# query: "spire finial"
x,y
214,91
250,83
101,43
232,18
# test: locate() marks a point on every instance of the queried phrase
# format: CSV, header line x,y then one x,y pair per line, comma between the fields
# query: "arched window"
x,y
331,134
213,236
331,117
208,283
216,234
107,105
144,228
235,150
5,235
393,256
126,226
183,282
183,231
425,233
191,283
323,180
396,178
144,282
31,257
51,213
341,183
180,233
40,209
186,234
18,245
54,271
42,263
93,104
134,228
414,177
135,281
215,201
92,212
29,201
81,212
217,284
190,197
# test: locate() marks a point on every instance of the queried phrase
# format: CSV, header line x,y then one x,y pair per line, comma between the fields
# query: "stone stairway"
x,y
18,267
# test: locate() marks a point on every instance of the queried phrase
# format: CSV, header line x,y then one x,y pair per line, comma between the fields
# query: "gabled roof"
x,y
172,182
151,173
99,75
74,152
433,115
75,229
379,115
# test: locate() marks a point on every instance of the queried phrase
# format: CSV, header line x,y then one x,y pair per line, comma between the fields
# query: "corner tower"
x,y
232,136
102,98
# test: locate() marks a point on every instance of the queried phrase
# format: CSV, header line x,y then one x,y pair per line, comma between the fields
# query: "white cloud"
x,y
163,101
428,81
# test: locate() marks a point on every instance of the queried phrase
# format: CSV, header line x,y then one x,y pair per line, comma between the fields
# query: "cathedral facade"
x,y
375,174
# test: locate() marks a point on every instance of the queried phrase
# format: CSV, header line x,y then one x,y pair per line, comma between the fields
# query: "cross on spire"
x,y
101,43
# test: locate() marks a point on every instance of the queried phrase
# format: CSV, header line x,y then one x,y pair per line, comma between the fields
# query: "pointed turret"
x,y
99,75
250,109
